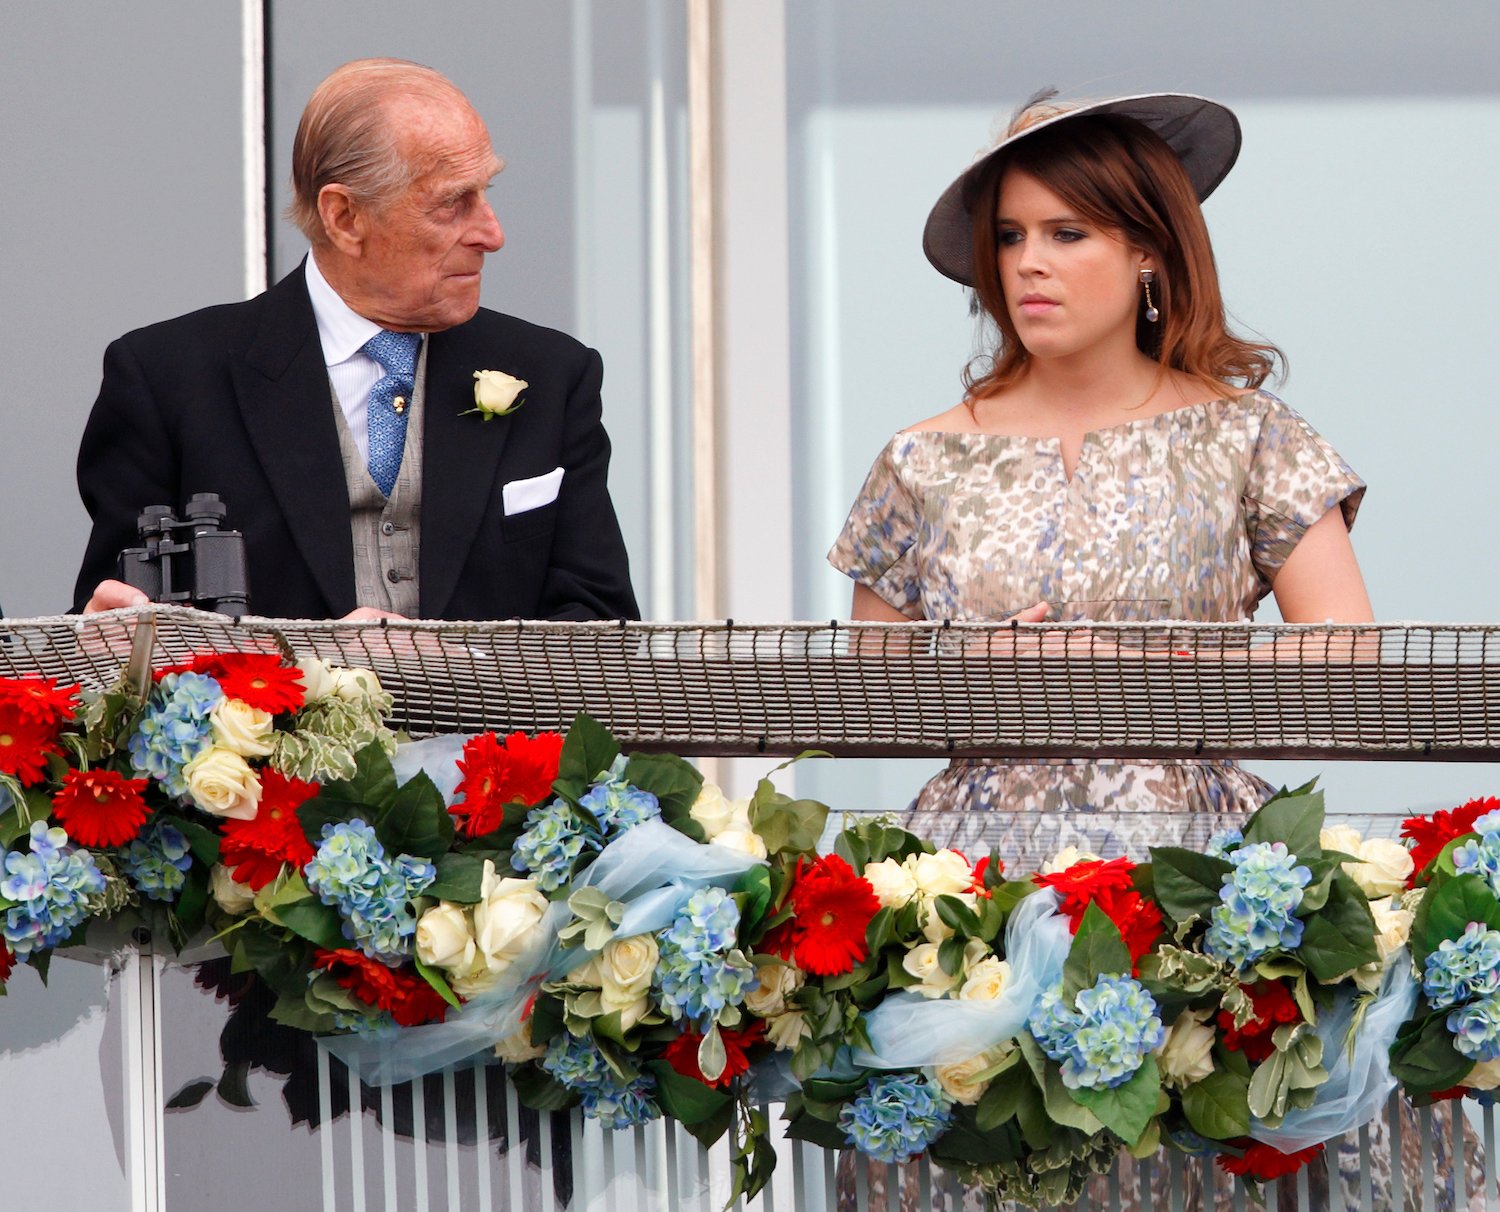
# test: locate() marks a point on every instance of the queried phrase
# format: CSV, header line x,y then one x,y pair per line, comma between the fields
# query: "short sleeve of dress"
x,y
877,546
1295,478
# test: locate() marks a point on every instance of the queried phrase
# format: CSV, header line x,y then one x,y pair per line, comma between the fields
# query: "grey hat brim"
x,y
1204,134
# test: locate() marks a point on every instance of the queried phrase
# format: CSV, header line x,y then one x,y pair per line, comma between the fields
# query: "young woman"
x,y
1113,457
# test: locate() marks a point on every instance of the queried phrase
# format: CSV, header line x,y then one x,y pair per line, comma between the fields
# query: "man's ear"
x,y
343,219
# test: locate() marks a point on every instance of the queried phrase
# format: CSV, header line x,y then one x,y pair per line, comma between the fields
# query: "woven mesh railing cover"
x,y
1162,690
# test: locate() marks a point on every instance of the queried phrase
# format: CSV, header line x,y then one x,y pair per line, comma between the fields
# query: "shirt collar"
x,y
341,330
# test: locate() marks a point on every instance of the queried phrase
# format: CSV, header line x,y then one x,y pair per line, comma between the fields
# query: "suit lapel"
x,y
460,460
285,401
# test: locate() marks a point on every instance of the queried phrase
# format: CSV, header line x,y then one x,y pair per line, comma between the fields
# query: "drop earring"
x,y
1147,277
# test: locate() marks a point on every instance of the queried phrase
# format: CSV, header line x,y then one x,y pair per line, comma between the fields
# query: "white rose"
x,y
985,981
893,883
712,811
518,1048
229,894
922,962
444,939
744,840
241,728
1392,927
934,929
317,678
222,784
495,392
788,1030
778,981
961,1079
1485,1075
586,973
626,966
505,921
352,685
1186,1054
1068,856
946,873
1383,867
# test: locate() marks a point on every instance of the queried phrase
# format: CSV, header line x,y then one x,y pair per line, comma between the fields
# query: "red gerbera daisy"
x,y
833,907
518,770
37,700
24,746
101,807
1432,833
257,848
1265,1163
7,963
682,1053
1108,885
1273,1005
259,679
409,999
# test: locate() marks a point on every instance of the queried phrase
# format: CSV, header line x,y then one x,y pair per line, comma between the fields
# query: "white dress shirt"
x,y
352,372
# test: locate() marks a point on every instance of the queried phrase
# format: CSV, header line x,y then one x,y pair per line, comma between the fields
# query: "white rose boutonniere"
x,y
495,394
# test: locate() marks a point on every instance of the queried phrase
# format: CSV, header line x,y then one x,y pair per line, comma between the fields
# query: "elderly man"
x,y
336,413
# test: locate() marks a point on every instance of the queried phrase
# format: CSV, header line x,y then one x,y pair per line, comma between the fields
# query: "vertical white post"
x,y
140,987
253,127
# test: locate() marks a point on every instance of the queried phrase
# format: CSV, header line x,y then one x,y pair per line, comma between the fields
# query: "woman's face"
x,y
1070,285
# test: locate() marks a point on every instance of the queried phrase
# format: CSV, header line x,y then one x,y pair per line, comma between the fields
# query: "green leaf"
x,y
965,1141
1000,1103
1187,883
704,1111
417,821
671,779
435,978
1126,1110
1423,1058
787,826
805,1126
538,1089
1341,935
753,890
311,919
588,751
371,789
202,842
1293,817
1097,950
958,915
459,877
291,1010
1217,1107
191,905
1457,902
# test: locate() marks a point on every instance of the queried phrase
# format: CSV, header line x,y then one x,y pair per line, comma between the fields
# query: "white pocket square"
x,y
523,495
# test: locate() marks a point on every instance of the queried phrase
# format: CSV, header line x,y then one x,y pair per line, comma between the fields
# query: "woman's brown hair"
x,y
1120,174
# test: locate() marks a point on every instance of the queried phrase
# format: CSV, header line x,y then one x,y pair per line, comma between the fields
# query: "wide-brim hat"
x,y
1204,134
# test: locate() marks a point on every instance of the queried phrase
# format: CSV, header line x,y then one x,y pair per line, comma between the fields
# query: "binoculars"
x,y
194,562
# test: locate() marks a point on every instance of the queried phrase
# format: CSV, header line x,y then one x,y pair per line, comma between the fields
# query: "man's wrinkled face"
x,y
419,267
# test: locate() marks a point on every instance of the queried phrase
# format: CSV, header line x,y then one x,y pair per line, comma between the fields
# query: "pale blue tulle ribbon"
x,y
908,1031
1358,1085
652,870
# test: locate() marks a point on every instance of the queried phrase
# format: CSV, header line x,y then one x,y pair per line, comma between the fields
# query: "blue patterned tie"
x,y
390,399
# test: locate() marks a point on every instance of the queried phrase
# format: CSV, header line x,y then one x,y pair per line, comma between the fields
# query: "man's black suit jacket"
x,y
235,400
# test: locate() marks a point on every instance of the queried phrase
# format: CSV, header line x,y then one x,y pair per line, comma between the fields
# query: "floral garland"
x,y
630,941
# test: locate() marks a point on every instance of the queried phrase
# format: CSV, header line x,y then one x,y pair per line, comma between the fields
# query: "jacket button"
x,y
388,528
392,576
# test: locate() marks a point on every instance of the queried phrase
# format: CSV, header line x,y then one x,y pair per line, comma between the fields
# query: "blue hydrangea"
x,y
45,894
157,862
1488,823
1258,905
896,1117
1463,968
581,1067
699,971
1102,1036
1481,856
1476,1029
550,845
616,804
174,729
1223,842
373,895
